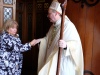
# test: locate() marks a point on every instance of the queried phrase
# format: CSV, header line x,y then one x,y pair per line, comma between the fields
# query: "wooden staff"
x,y
63,6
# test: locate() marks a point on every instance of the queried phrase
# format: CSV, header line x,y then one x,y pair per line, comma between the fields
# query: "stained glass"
x,y
8,1
7,13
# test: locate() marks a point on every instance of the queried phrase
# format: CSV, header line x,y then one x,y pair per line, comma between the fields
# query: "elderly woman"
x,y
11,48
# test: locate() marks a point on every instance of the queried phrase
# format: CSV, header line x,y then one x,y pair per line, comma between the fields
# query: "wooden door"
x,y
42,22
24,17
26,21
7,10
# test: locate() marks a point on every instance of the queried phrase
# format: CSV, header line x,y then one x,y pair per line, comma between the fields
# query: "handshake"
x,y
34,42
61,43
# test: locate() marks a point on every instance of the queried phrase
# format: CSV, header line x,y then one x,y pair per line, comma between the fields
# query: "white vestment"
x,y
72,57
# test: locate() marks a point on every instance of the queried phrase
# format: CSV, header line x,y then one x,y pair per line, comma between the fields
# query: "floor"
x,y
29,72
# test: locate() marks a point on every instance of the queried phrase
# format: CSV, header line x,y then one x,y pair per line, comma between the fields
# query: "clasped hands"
x,y
34,42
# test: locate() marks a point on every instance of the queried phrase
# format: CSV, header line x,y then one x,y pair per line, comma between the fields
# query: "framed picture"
x,y
40,0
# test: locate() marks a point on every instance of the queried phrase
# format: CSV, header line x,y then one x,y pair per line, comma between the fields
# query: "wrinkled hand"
x,y
62,44
34,42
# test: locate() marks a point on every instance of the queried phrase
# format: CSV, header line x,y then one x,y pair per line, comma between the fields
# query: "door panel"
x,y
7,10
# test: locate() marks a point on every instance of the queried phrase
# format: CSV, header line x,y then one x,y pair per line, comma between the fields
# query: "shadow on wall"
x,y
88,72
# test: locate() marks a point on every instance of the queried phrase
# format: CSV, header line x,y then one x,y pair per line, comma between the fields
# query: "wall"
x,y
87,22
